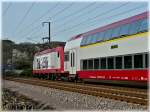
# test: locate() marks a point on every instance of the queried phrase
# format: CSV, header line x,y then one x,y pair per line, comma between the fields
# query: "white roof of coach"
x,y
72,44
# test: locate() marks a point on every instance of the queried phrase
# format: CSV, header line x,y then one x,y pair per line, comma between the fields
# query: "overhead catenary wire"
x,y
37,27
85,21
121,13
6,10
110,17
56,14
113,15
44,14
74,13
24,17
79,16
79,11
90,19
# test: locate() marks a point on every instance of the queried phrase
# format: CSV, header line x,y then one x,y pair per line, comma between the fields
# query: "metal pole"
x,y
49,32
49,37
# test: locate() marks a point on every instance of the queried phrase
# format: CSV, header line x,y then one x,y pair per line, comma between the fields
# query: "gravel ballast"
x,y
13,101
64,100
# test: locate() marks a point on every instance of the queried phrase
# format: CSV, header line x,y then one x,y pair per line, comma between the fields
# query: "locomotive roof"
x,y
47,51
115,24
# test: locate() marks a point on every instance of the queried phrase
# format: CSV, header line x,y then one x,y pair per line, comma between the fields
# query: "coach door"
x,y
72,62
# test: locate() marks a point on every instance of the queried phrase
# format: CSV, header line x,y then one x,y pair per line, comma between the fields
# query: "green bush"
x,y
26,73
10,74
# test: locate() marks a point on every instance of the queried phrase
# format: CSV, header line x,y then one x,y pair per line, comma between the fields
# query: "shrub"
x,y
26,73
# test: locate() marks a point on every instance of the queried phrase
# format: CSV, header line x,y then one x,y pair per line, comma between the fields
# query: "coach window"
x,y
134,26
73,57
84,64
115,32
66,56
86,40
118,62
138,61
146,60
83,41
90,64
110,62
144,25
96,64
103,63
96,37
108,34
100,36
127,62
93,39
124,30
89,39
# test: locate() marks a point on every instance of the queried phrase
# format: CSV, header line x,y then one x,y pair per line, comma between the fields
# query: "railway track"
x,y
130,95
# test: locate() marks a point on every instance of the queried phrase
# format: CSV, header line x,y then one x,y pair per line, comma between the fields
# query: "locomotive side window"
x,y
96,64
90,64
138,61
127,62
103,63
124,30
66,56
146,60
110,62
118,62
84,63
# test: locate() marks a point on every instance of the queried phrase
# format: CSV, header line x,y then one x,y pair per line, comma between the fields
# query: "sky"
x,y
22,21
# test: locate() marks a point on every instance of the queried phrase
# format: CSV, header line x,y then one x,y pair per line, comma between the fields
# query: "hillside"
x,y
20,56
